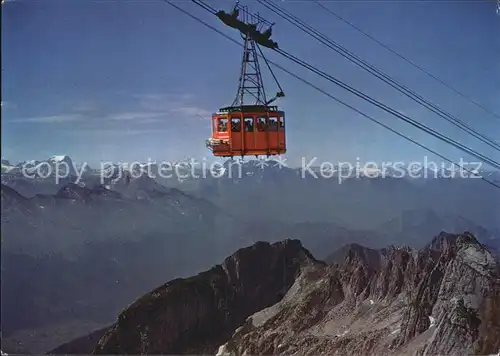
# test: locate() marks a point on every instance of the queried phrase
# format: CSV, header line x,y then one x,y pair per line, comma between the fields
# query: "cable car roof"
x,y
248,108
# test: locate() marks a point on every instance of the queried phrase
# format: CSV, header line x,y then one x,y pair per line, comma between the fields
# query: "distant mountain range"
x,y
76,253
63,165
356,203
103,250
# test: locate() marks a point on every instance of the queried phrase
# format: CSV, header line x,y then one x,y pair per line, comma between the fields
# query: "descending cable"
x,y
409,61
203,5
389,109
378,73
269,67
379,104
336,99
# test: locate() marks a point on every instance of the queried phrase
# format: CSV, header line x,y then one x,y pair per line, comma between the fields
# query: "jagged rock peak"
x,y
197,314
443,299
354,253
445,240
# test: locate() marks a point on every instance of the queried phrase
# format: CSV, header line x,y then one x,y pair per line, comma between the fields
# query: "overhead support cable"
x,y
406,59
338,100
302,25
390,110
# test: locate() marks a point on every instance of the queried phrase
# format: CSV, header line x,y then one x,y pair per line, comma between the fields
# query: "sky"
x,y
136,80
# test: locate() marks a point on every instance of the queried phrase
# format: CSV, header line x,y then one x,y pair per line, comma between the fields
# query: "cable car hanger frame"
x,y
245,129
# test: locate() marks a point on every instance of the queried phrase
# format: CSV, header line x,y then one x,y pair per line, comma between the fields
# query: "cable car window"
x,y
273,124
282,122
249,124
235,124
261,123
222,125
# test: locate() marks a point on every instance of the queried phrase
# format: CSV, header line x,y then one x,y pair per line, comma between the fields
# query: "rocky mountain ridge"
x,y
278,299
70,237
196,314
248,189
157,233
443,299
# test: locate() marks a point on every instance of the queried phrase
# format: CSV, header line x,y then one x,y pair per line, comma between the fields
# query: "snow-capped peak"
x,y
59,158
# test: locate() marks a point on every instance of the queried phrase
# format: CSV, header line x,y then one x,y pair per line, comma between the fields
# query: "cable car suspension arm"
x,y
338,100
279,94
388,109
331,44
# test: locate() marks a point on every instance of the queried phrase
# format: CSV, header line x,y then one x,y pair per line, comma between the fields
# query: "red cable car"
x,y
248,130
255,129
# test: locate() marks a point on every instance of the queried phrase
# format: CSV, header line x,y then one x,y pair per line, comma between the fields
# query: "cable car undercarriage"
x,y
244,129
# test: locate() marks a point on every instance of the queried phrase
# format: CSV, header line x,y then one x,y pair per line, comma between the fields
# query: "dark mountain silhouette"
x,y
83,253
359,204
210,305
215,303
83,345
443,299
269,299
143,233
409,227
355,204
83,194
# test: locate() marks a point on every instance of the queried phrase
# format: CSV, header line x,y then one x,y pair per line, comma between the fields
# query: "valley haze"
x,y
145,230
125,232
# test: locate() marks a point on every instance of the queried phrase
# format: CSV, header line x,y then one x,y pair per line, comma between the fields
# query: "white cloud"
x,y
164,96
49,119
192,111
177,104
152,108
159,102
118,132
139,116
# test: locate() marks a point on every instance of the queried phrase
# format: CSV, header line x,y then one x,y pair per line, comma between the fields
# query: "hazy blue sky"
x,y
111,80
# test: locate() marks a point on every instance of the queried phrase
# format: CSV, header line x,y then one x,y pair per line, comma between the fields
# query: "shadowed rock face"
x,y
277,299
443,299
197,314
83,345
